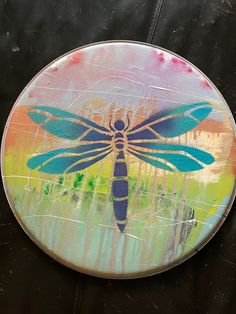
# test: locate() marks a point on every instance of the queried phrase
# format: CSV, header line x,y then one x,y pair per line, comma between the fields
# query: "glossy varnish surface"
x,y
200,31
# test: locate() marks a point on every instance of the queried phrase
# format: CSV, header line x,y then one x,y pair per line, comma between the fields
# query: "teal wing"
x,y
171,122
68,160
171,157
144,139
67,125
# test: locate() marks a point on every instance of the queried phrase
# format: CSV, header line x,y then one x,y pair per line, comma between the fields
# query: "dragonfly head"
x,y
119,125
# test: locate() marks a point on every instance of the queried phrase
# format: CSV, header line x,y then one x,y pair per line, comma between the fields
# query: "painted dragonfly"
x,y
144,141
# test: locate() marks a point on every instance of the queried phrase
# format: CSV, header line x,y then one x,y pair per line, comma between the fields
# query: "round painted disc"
x,y
118,159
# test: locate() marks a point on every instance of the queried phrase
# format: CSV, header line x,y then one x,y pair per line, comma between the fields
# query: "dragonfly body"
x,y
120,176
145,141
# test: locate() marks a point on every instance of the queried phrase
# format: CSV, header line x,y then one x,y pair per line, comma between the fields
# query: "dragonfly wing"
x,y
142,135
178,157
67,125
171,122
152,161
67,160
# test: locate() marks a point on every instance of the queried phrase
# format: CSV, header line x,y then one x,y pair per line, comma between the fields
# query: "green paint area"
x,y
73,215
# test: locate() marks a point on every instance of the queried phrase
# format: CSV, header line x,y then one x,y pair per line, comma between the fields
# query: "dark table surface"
x,y
33,33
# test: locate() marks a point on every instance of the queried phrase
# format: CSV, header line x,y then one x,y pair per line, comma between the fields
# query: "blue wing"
x,y
178,157
68,160
67,125
171,122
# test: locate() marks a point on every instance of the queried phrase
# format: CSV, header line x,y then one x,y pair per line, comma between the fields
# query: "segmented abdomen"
x,y
120,190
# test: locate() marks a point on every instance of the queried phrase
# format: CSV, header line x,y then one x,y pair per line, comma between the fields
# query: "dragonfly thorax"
x,y
119,141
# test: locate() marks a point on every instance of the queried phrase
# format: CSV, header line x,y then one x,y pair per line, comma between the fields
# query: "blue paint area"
x,y
155,163
120,169
59,165
119,125
142,135
120,155
121,227
39,160
37,117
181,162
120,146
173,111
96,136
120,188
65,129
58,113
174,126
202,113
119,135
119,140
195,152
120,208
